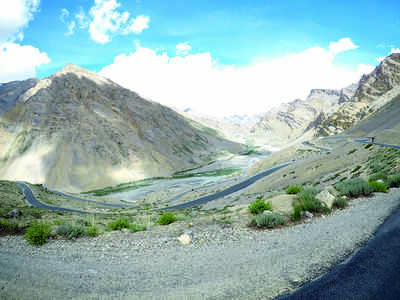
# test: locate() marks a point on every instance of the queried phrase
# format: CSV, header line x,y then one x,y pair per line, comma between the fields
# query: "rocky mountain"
x,y
77,130
10,92
291,120
373,92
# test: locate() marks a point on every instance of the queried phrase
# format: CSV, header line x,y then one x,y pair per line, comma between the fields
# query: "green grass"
x,y
378,176
386,161
354,187
368,146
38,234
340,203
118,224
393,181
306,201
220,172
166,218
92,231
356,169
351,151
297,213
270,220
293,189
137,227
10,228
378,186
259,206
70,231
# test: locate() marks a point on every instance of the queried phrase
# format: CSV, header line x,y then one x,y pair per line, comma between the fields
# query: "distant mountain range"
x,y
77,130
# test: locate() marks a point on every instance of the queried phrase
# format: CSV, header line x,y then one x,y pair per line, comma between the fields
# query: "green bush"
x,y
354,187
356,169
7,227
297,212
270,220
136,228
293,189
378,176
259,205
118,224
70,231
308,202
166,218
378,186
92,231
38,234
393,181
340,203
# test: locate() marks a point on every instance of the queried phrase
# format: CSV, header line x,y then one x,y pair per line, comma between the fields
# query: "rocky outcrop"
x,y
77,130
373,92
11,91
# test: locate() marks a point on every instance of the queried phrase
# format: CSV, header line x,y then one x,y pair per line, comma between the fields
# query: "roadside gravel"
x,y
222,262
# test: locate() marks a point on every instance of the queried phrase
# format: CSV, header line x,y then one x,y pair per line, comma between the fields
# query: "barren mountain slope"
x,y
76,130
373,92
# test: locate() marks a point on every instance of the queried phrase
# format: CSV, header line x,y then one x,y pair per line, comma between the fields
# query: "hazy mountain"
x,y
77,130
10,92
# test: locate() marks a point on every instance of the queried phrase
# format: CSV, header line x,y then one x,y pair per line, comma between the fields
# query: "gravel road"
x,y
221,263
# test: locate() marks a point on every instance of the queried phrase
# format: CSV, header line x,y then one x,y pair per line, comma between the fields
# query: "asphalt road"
x,y
31,199
372,273
366,141
230,190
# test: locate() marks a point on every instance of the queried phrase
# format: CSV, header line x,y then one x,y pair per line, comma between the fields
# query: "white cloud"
x,y
199,82
107,21
393,50
20,62
139,24
344,44
64,15
14,17
183,48
82,19
71,28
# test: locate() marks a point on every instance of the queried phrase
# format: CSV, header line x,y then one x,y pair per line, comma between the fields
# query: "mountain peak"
x,y
81,72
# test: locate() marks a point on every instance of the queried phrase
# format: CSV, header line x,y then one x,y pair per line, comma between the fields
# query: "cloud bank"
x,y
198,81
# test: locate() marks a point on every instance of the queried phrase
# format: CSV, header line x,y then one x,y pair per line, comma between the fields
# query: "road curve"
x,y
230,190
31,199
366,141
372,273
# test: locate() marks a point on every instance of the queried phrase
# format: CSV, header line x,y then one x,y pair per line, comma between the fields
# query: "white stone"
x,y
326,197
185,239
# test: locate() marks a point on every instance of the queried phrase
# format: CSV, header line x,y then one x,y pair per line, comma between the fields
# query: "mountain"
x,y
291,120
373,91
10,92
77,130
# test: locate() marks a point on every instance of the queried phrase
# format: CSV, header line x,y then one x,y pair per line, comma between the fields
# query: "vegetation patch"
x,y
270,220
38,234
92,231
378,186
340,203
259,206
351,151
354,187
308,201
70,231
368,146
10,228
356,169
166,218
293,189
118,224
386,161
393,181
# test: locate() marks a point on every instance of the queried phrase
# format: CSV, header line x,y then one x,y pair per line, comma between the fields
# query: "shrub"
x,y
118,224
136,228
92,231
259,205
166,218
7,227
393,181
378,186
354,187
270,220
293,189
340,203
308,202
378,176
70,231
38,234
297,212
356,169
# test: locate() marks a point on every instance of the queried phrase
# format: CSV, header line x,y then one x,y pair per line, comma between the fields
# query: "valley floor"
x,y
222,262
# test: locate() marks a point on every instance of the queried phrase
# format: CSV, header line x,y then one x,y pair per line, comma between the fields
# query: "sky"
x,y
217,57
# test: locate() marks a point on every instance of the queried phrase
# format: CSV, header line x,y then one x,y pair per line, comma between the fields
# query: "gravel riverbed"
x,y
222,262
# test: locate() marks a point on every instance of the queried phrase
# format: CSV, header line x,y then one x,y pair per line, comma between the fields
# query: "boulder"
x,y
185,239
326,197
15,213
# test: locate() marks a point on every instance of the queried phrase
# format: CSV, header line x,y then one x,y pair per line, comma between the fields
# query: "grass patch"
x,y
92,231
270,220
259,206
118,224
306,201
356,169
393,181
354,187
339,203
166,218
38,234
220,172
137,227
368,146
351,151
293,189
297,213
378,176
378,186
8,228
70,231
386,161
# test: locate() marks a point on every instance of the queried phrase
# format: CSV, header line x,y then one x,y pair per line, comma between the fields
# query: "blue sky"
x,y
237,34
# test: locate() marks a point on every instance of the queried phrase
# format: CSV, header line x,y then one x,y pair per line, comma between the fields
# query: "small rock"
x,y
380,181
307,214
185,239
15,213
125,230
266,212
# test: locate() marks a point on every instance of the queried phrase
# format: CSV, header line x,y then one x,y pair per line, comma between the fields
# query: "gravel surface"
x,y
222,262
